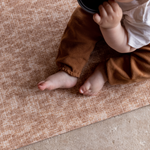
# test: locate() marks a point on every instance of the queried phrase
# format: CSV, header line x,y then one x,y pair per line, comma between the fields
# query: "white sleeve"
x,y
137,24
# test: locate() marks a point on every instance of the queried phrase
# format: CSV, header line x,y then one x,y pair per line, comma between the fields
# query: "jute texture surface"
x,y
30,33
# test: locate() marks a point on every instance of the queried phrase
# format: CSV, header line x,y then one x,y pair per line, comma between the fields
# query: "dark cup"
x,y
90,6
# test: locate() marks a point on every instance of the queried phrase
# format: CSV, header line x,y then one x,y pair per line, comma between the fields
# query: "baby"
x,y
125,27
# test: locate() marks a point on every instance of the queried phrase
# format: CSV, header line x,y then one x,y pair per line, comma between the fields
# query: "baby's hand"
x,y
110,15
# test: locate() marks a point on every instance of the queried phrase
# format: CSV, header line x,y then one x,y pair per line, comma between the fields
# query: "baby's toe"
x,y
84,88
42,85
88,92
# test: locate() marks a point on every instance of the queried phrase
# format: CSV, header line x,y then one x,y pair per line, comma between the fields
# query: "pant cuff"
x,y
69,71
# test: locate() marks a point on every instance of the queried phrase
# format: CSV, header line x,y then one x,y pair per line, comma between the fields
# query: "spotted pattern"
x,y
30,33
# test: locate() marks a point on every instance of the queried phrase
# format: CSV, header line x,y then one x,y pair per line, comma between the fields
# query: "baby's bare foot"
x,y
58,80
95,82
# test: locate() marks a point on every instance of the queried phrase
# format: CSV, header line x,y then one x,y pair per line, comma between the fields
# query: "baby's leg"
x,y
58,80
124,69
130,67
95,82
77,43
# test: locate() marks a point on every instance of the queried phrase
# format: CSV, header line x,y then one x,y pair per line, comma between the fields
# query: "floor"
x,y
128,131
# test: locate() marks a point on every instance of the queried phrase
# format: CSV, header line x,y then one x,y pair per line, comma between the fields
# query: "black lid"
x,y
90,6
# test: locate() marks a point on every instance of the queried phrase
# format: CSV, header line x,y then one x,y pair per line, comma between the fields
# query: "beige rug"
x,y
30,33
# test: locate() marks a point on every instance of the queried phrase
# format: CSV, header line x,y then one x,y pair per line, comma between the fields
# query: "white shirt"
x,y
136,19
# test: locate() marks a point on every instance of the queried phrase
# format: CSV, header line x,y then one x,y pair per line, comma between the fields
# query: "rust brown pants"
x,y
78,41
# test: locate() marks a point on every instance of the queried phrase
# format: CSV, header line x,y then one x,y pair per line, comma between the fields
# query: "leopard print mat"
x,y
30,33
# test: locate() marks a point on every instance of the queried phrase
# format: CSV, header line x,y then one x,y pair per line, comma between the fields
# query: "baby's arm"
x,y
113,32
